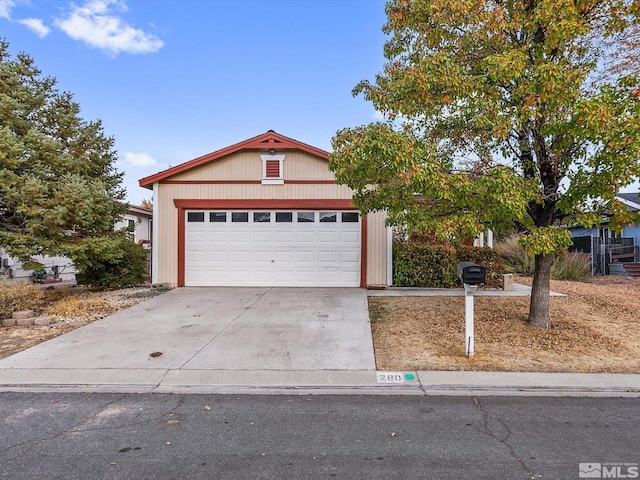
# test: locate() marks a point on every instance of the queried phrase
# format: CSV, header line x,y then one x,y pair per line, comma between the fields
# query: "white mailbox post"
x,y
469,291
471,276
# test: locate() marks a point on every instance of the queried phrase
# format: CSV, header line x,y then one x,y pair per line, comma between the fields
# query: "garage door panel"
x,y
306,256
239,276
350,237
328,237
305,237
262,237
217,236
272,253
239,256
349,257
198,236
327,256
196,256
195,275
283,237
242,236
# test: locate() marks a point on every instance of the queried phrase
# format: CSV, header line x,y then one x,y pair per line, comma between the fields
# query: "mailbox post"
x,y
471,275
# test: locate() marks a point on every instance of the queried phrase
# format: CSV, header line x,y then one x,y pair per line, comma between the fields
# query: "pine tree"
x,y
60,193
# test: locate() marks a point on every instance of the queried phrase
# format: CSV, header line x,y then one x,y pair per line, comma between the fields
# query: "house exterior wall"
x,y
377,239
237,177
247,166
142,229
11,268
632,232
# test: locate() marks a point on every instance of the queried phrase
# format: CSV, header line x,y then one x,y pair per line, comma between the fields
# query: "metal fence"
x,y
603,250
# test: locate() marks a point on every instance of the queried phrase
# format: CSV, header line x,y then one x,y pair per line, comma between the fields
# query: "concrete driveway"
x,y
208,334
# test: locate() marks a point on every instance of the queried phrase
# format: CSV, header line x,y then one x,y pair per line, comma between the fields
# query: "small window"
x,y
328,217
261,217
195,216
217,217
239,216
131,226
349,217
306,217
283,217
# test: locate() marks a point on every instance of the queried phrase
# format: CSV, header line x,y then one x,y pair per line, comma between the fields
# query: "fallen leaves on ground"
x,y
593,329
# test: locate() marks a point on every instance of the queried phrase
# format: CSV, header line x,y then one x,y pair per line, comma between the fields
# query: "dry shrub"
x,y
79,306
19,296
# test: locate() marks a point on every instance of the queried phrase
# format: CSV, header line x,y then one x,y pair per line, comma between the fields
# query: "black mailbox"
x,y
471,273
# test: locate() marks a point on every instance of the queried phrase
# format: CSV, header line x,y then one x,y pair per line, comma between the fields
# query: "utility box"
x,y
471,273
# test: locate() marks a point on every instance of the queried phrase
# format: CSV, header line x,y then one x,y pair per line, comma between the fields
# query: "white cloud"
x,y
139,159
96,24
5,8
36,26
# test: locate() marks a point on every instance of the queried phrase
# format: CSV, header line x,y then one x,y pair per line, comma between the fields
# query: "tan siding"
x,y
244,191
376,249
248,166
167,245
302,166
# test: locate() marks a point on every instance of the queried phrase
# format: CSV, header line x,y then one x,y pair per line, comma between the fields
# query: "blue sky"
x,y
175,79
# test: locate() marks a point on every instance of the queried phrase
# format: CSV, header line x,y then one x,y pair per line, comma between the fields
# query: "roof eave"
x,y
265,141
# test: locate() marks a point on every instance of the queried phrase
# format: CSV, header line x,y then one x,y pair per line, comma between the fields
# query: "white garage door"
x,y
272,248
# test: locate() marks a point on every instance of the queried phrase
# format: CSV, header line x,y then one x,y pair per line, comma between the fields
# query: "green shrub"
x,y
121,269
435,266
18,296
572,266
419,265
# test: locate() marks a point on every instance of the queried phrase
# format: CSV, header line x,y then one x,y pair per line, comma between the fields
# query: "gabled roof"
x,y
631,200
265,141
138,210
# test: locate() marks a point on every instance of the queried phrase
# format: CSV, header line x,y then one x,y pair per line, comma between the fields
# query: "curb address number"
x,y
390,377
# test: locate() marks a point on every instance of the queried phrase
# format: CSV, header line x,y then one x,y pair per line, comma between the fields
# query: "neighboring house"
x,y
61,269
609,249
138,221
263,212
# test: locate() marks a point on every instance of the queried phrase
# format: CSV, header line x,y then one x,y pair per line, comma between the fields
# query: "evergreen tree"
x,y
60,193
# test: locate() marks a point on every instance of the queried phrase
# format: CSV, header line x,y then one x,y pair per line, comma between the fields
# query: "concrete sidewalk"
x,y
519,290
210,381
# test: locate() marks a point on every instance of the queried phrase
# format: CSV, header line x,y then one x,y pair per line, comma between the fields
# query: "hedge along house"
x,y
263,212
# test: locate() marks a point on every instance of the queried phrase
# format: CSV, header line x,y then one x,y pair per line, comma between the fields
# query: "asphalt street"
x,y
168,436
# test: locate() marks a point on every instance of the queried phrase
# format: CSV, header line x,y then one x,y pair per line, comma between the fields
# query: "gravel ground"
x,y
73,307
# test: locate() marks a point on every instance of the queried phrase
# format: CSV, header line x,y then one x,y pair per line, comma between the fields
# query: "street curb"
x,y
326,382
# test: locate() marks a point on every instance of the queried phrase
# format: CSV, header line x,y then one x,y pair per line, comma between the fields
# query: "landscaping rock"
x,y
22,314
24,322
77,323
44,320
9,322
507,282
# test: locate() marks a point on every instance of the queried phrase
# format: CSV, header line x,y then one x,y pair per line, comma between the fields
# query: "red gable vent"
x,y
272,169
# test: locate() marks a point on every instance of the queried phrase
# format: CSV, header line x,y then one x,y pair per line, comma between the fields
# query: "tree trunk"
x,y
539,309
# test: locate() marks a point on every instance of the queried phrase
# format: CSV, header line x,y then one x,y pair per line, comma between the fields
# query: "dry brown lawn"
x,y
595,328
